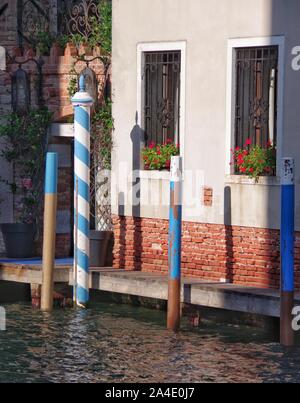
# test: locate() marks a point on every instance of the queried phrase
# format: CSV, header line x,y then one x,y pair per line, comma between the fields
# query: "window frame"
x,y
158,47
233,44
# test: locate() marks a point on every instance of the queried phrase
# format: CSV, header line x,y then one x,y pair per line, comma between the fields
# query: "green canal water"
x,y
119,343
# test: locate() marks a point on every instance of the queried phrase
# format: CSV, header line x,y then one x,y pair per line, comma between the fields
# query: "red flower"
x,y
158,152
242,169
152,145
251,170
237,149
248,142
169,141
269,144
240,159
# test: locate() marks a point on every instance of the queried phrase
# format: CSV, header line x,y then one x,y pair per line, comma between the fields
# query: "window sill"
x,y
245,180
158,175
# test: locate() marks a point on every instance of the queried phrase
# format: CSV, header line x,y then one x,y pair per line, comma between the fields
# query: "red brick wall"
x,y
248,256
56,77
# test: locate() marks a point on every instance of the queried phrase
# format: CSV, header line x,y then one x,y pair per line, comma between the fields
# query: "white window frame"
x,y
157,47
230,101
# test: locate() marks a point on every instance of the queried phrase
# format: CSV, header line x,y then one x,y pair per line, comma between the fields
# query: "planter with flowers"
x,y
254,161
158,156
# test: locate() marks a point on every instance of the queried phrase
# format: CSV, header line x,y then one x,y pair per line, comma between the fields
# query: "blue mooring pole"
x,y
82,102
287,238
175,223
50,207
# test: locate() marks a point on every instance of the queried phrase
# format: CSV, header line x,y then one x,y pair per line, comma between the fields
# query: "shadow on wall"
x,y
228,235
130,242
137,137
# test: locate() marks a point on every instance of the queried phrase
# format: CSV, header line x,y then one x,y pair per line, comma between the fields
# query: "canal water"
x,y
119,343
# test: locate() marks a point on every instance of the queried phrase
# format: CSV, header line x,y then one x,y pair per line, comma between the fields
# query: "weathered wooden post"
x,y
173,319
82,103
287,251
49,231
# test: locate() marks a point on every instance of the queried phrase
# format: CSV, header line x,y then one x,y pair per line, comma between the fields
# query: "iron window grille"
x,y
161,96
256,95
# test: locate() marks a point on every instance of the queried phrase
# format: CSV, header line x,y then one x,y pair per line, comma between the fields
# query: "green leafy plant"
x,y
101,34
43,42
72,86
24,141
102,125
62,40
254,160
157,157
101,135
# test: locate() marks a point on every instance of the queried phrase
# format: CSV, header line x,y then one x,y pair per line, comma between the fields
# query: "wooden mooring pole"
x,y
50,209
287,251
173,319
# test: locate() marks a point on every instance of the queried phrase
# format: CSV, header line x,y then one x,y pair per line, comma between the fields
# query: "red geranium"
x,y
255,160
158,156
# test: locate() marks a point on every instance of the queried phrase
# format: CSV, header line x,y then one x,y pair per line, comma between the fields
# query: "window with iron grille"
x,y
162,96
256,95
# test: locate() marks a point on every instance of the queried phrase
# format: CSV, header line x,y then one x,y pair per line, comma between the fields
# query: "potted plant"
x,y
158,156
254,160
24,139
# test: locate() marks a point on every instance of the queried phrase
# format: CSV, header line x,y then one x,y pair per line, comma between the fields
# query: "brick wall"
x,y
242,255
8,24
56,76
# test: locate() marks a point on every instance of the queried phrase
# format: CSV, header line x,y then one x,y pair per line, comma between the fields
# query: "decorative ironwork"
x,y
77,16
33,18
103,220
256,95
161,96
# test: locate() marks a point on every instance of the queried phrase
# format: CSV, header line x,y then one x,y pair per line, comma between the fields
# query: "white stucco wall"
x,y
206,26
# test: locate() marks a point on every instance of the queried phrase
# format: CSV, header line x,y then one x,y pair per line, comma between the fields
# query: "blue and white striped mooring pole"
x,y
287,250
82,102
174,288
50,208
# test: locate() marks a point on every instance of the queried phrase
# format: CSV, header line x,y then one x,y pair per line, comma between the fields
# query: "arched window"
x,y
91,83
20,91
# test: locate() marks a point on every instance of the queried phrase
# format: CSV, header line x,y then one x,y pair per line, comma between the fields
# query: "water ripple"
x,y
116,343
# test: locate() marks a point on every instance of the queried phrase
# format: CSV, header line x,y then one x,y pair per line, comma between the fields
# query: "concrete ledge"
x,y
31,274
257,301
